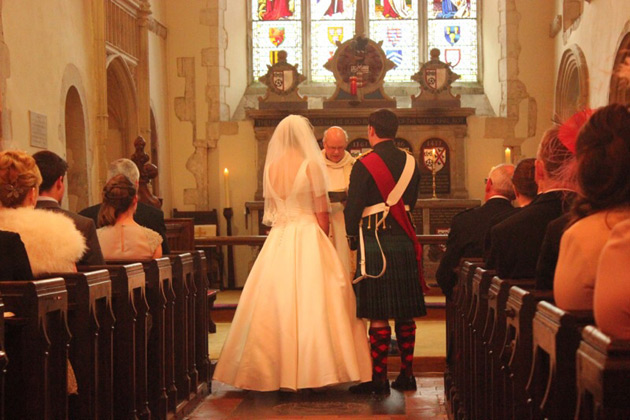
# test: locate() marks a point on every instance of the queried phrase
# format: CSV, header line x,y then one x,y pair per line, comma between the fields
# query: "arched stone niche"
x,y
122,111
73,132
620,86
572,91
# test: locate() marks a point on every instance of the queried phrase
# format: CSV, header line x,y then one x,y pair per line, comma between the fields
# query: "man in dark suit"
x,y
53,169
147,216
516,242
14,263
396,293
469,228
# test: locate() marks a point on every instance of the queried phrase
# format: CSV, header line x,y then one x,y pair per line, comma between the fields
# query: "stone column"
x,y
142,73
100,77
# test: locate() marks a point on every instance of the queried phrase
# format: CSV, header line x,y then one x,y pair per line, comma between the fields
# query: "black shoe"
x,y
405,383
372,387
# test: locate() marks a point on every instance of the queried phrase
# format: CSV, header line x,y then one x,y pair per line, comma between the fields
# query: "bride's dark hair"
x,y
118,195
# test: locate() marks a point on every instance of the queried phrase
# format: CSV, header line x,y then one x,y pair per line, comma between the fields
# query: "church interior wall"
x,y
236,57
491,49
158,80
598,33
39,53
187,37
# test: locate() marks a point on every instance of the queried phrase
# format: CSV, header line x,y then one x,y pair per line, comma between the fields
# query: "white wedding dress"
x,y
295,325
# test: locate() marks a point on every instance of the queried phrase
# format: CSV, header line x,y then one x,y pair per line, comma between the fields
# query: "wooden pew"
x,y
91,323
556,336
455,388
186,375
160,348
37,340
495,331
477,372
603,377
202,320
516,355
3,360
130,339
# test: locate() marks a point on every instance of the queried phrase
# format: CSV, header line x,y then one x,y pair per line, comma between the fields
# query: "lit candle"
x,y
508,155
226,181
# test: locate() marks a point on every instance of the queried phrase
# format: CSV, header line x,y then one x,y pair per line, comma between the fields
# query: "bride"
x,y
295,326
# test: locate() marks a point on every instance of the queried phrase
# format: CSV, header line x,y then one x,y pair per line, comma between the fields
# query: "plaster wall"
x,y
491,49
158,79
39,55
186,38
598,33
236,57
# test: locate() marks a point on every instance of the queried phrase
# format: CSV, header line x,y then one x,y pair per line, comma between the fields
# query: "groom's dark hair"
x,y
384,122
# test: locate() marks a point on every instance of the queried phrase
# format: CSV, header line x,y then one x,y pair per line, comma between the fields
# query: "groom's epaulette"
x,y
364,154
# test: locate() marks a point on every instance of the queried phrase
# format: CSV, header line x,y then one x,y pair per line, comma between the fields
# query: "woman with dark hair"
x,y
603,175
121,238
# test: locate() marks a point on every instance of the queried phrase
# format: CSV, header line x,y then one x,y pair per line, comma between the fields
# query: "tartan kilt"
x,y
397,294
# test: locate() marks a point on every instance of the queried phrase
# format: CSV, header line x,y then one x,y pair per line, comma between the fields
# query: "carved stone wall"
x,y
572,92
519,110
620,86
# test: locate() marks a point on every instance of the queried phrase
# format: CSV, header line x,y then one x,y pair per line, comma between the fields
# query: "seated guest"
x,y
525,190
14,264
147,216
53,169
524,180
603,156
120,236
469,228
52,242
611,301
515,242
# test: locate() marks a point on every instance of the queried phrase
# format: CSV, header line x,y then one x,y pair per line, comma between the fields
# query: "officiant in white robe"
x,y
339,164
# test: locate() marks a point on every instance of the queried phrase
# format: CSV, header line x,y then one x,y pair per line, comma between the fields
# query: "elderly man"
x,y
339,163
470,227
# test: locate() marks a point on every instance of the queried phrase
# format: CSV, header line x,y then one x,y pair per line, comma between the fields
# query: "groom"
x,y
378,224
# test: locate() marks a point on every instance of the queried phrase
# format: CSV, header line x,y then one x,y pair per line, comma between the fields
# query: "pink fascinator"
x,y
568,132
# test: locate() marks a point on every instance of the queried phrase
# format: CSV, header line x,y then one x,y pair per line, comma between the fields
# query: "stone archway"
x,y
572,92
76,156
122,110
619,86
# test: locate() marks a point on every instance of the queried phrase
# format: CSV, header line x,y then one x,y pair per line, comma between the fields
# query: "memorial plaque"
x,y
436,152
39,130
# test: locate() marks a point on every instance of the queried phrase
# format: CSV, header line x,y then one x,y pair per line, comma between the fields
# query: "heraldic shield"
x,y
434,158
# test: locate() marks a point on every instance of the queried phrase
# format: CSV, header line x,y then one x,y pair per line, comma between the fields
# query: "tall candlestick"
x,y
433,169
508,155
226,181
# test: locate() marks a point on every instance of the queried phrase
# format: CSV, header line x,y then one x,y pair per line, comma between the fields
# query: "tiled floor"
x,y
227,402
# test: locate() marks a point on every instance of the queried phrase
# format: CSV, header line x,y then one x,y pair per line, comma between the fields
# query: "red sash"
x,y
385,183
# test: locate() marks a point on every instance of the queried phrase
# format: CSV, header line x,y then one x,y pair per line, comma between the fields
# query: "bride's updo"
x,y
118,195
18,175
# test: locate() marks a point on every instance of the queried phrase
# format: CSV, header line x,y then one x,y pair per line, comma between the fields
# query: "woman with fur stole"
x,y
52,242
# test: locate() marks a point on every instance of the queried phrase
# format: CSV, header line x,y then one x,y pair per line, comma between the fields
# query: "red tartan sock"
x,y
406,336
380,338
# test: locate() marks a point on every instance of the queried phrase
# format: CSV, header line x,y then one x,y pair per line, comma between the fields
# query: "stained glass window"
x,y
276,25
450,25
331,21
395,22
